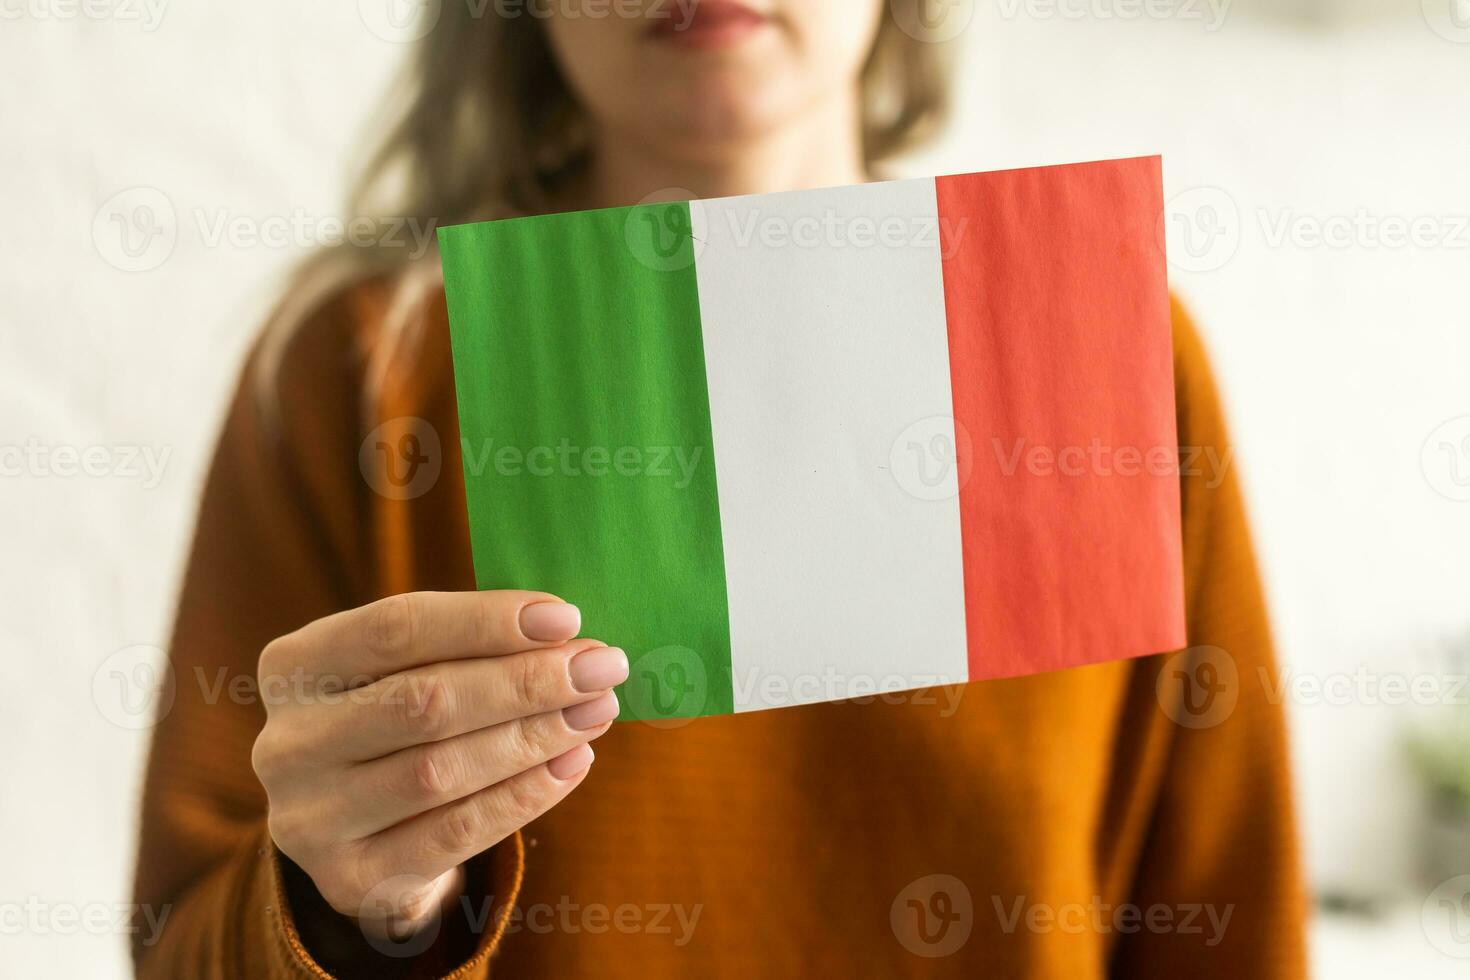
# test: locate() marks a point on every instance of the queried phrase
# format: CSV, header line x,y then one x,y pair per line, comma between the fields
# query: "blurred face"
x,y
698,75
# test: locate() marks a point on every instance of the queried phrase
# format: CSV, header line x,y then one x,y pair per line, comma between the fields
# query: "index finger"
x,y
420,628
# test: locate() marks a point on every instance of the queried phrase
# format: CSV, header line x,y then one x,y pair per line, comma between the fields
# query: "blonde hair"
x,y
487,127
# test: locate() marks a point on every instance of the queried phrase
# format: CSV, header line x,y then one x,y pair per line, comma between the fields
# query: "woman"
x,y
410,788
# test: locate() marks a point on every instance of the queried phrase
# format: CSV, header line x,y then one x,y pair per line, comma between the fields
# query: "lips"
x,y
706,23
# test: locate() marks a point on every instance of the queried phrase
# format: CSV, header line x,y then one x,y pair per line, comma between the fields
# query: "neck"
x,y
819,149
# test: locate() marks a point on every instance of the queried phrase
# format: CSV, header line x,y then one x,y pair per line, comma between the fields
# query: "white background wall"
x,y
1338,362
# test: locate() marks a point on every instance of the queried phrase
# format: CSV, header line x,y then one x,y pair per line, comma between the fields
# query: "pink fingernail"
x,y
570,763
599,669
549,621
590,714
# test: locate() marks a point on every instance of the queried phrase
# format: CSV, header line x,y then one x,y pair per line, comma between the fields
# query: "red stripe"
x,y
1062,370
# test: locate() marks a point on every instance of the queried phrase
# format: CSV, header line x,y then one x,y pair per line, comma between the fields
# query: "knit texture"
x,y
786,843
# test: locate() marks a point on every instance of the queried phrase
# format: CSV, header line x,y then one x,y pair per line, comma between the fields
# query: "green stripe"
x,y
584,420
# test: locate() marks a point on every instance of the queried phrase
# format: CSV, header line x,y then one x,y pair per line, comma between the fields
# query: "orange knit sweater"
x,y
1063,825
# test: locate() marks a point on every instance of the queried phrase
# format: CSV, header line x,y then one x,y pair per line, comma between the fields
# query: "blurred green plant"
x,y
1439,746
1441,758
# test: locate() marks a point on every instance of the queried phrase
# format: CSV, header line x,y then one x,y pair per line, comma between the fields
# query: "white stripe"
x,y
826,350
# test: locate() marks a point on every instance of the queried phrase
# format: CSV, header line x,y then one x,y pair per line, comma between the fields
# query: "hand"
x,y
408,735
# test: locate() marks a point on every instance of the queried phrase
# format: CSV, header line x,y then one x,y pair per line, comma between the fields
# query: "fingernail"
x,y
590,714
570,763
551,621
599,669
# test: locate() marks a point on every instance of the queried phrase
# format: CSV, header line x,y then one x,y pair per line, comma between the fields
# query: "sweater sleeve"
x,y
1218,868
279,541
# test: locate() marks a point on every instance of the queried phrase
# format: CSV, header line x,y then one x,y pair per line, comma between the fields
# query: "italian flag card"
x,y
819,445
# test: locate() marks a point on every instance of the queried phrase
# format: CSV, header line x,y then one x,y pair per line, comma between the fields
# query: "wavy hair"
x,y
486,126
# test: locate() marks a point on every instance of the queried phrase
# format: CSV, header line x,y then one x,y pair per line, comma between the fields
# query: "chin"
x,y
709,114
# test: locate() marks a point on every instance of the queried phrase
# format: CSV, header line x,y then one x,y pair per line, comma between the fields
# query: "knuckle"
x,y
260,758
285,830
523,799
266,755
414,906
433,776
525,743
425,705
489,621
338,887
530,683
275,659
390,626
461,829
